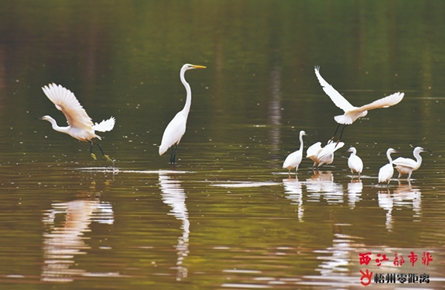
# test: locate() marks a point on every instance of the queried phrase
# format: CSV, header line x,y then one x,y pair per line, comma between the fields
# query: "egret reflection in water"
x,y
355,188
293,190
64,241
173,195
404,196
321,183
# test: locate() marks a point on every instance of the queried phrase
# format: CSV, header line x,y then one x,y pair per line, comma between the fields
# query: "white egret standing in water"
x,y
352,113
323,155
386,171
355,163
80,125
293,160
176,128
408,165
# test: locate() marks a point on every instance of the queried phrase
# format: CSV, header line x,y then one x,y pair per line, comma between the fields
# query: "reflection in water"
x,y
342,253
65,239
386,202
323,182
173,195
294,192
404,196
355,188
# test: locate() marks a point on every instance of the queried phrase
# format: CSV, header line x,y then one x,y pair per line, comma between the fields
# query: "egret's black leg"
x,y
173,154
341,134
335,133
103,154
91,150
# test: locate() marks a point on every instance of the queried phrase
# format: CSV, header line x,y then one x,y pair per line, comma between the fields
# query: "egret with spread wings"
x,y
80,125
352,113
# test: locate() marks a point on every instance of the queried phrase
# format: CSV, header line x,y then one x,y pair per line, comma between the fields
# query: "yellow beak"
x,y
198,66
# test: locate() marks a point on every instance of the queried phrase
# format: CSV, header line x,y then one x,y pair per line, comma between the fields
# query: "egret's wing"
x,y
105,125
313,150
173,132
330,149
335,96
65,101
385,102
405,162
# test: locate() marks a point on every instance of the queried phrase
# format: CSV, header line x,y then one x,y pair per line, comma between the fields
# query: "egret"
x,y
352,113
408,165
293,160
80,125
176,128
386,171
313,151
355,163
323,155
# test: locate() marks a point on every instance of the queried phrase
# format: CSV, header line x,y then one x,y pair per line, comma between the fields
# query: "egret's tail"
x,y
105,125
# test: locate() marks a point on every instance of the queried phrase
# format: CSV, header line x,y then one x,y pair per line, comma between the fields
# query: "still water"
x,y
227,216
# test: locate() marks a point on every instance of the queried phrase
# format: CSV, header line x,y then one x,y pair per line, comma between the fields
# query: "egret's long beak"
x,y
431,152
199,66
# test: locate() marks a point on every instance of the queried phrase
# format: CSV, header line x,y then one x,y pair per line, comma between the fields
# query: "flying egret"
x,y
176,128
80,125
352,113
408,165
293,160
355,163
386,171
323,155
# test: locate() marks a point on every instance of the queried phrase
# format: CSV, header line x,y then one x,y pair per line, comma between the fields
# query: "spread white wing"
x,y
105,125
335,96
65,101
385,102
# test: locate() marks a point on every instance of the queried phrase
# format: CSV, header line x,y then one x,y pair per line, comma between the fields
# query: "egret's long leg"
x,y
335,133
173,154
103,154
91,150
341,134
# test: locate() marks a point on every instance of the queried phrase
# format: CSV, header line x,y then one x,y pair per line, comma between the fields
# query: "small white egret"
x,y
80,125
352,113
386,171
293,160
326,155
313,151
408,165
355,163
323,155
176,128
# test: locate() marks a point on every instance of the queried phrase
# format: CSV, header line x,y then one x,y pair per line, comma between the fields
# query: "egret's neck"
x,y
56,127
301,142
418,159
389,157
188,101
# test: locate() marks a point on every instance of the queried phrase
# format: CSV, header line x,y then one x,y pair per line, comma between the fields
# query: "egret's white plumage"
x,y
408,165
352,113
326,155
313,151
355,163
387,171
80,125
323,155
176,128
293,160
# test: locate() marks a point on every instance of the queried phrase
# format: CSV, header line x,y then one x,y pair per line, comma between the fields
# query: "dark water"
x,y
227,216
